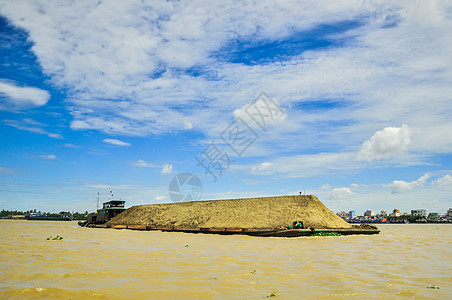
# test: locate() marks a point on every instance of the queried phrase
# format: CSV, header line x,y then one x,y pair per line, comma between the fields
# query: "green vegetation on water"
x,y
433,287
327,234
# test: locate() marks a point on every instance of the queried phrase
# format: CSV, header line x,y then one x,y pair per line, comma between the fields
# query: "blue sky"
x,y
126,94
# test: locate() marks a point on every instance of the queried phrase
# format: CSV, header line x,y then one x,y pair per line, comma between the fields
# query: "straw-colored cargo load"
x,y
265,212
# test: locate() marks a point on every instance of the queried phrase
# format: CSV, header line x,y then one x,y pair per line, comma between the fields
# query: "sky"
x,y
346,100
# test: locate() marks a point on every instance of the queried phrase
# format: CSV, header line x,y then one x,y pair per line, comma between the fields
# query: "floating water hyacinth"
x,y
433,287
272,295
327,234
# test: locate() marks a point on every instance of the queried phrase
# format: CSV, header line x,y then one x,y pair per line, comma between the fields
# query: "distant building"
x,y
343,214
419,213
383,213
369,213
449,212
395,213
352,214
433,216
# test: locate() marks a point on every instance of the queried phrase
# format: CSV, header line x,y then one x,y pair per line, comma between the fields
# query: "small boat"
x,y
62,216
109,210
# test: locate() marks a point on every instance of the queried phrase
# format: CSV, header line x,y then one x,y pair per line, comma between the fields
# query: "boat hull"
x,y
269,232
48,219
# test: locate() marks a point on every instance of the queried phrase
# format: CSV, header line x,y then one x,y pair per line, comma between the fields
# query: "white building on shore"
x,y
419,213
449,213
369,213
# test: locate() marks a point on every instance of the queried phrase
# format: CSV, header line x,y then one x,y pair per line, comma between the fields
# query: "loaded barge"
x,y
264,216
62,216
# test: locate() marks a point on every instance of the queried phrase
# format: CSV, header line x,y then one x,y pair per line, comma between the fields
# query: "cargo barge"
x,y
263,216
39,217
263,232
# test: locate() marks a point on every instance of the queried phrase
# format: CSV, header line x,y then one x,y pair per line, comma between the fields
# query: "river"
x,y
408,260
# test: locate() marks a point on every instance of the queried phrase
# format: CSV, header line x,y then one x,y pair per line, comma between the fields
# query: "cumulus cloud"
x,y
116,142
167,169
385,143
19,96
340,193
399,186
444,182
159,198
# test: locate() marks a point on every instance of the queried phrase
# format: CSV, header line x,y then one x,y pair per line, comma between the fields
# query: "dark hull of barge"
x,y
363,230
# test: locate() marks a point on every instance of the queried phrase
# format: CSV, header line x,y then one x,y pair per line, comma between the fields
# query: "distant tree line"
x,y
7,213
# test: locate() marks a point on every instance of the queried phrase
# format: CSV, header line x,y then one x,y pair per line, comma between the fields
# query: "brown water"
x,y
121,264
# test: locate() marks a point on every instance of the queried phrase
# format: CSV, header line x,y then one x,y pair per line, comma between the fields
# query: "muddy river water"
x,y
412,261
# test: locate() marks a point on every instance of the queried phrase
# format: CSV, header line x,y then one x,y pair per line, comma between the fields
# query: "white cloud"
x,y
116,142
110,187
141,163
399,186
385,143
31,125
326,187
261,167
167,169
263,112
72,146
22,96
444,182
136,54
6,171
303,165
48,156
159,198
379,197
340,193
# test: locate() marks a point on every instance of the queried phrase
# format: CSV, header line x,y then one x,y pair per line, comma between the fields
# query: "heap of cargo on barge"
x,y
287,216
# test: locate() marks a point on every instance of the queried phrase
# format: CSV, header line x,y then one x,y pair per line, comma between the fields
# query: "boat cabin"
x,y
113,204
109,210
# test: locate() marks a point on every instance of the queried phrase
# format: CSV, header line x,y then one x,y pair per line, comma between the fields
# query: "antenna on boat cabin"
x,y
98,193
